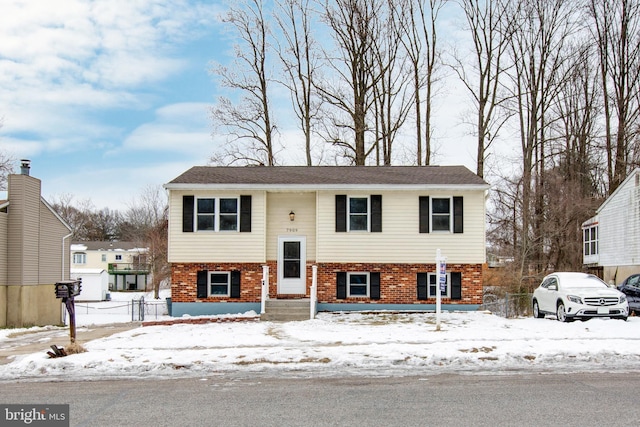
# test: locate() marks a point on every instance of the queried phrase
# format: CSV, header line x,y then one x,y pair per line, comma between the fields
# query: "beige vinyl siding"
x,y
23,232
278,223
206,246
3,248
400,240
94,258
52,231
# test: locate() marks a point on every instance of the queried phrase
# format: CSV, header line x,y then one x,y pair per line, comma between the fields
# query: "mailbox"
x,y
68,288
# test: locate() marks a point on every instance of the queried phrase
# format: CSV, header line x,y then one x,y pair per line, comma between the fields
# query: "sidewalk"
x,y
36,340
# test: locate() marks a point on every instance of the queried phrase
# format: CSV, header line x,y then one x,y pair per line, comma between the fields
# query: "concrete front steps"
x,y
285,310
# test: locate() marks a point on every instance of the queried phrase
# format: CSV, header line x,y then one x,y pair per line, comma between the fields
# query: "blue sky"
x,y
109,97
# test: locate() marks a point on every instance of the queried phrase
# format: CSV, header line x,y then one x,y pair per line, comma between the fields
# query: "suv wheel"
x,y
561,314
536,310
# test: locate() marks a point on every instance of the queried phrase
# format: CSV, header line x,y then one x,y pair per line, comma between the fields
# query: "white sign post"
x,y
441,280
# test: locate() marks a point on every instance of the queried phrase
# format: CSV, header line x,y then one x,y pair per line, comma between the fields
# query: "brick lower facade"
x,y
398,284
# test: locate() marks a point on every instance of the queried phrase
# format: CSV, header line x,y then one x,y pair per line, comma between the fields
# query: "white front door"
x,y
292,263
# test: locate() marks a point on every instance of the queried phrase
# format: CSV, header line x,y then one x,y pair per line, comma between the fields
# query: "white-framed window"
x,y
433,277
228,218
104,258
358,213
206,214
219,283
441,214
590,240
118,257
217,214
357,284
79,258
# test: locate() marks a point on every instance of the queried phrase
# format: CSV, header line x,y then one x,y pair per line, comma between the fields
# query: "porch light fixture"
x,y
292,216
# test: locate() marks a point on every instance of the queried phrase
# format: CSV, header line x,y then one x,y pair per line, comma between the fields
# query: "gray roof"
x,y
103,245
326,176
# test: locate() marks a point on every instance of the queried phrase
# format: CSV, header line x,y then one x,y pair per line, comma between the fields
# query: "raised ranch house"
x,y
366,235
611,239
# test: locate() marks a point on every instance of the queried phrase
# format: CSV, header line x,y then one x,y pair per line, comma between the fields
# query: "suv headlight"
x,y
623,298
574,299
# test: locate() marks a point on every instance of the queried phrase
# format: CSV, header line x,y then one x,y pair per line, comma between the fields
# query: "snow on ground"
x,y
374,344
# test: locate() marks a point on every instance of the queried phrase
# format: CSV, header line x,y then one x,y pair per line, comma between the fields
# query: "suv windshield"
x,y
583,282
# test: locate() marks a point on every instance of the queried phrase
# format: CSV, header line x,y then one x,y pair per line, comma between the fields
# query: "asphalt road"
x,y
584,399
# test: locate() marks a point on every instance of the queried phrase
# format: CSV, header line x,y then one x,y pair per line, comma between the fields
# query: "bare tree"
x,y
146,221
393,96
577,106
103,225
299,56
537,52
490,27
354,27
76,214
248,123
616,30
420,17
6,167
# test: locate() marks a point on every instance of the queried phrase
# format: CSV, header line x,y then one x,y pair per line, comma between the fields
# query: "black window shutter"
x,y
341,285
341,212
457,215
187,213
202,284
374,285
456,285
422,286
235,284
245,214
424,214
376,213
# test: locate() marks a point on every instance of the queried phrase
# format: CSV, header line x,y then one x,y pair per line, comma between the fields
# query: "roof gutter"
x,y
319,187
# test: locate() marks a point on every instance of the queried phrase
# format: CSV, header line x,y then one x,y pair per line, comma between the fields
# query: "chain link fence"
x,y
122,311
511,305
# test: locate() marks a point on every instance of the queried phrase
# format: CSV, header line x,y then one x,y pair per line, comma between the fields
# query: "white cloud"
x,y
182,127
92,53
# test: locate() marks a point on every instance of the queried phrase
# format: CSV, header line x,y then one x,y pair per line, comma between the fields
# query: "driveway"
x,y
35,340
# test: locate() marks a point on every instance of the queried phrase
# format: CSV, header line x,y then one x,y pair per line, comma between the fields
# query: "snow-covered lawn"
x,y
378,344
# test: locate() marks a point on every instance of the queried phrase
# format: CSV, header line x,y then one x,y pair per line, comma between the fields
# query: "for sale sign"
x,y
443,276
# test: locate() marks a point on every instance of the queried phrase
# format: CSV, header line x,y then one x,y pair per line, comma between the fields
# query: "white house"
x,y
372,233
611,239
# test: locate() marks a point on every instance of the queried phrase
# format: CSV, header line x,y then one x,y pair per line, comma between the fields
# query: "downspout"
x,y
63,239
63,311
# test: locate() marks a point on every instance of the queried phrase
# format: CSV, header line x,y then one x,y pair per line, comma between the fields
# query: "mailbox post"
x,y
68,290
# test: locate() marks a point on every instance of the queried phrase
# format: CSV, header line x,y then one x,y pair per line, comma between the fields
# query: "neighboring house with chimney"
x,y
34,254
371,234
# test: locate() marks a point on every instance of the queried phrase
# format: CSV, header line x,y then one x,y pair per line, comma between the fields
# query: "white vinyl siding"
x,y
619,226
278,222
217,247
400,240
